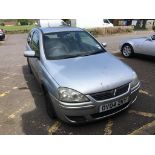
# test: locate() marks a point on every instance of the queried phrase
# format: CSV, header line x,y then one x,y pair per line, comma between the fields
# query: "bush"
x,y
153,27
23,21
31,21
2,24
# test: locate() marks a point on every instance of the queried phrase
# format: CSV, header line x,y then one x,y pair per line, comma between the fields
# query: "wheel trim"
x,y
127,51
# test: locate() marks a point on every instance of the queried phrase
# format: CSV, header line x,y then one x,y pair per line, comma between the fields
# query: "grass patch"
x,y
17,29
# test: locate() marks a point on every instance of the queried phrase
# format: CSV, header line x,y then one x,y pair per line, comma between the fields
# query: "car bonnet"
x,y
90,74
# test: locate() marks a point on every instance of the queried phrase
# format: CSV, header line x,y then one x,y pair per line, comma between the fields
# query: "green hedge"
x,y
17,29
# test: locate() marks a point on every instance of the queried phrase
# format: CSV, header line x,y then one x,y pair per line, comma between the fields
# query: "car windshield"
x,y
63,45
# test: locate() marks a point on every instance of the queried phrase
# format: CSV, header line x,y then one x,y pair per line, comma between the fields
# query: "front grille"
x,y
110,93
112,111
121,90
103,95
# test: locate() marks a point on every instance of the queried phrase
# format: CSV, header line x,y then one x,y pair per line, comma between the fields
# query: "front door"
x,y
148,46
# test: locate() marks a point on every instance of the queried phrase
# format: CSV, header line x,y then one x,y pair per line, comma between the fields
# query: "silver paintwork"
x,y
91,74
143,45
29,53
90,108
87,75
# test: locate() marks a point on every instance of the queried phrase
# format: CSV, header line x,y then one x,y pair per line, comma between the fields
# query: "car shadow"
x,y
35,122
145,57
138,57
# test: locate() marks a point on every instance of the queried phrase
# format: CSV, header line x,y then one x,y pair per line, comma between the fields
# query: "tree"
x,y
23,21
144,21
141,24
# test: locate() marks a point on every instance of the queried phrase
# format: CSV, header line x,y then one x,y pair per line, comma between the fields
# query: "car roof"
x,y
47,30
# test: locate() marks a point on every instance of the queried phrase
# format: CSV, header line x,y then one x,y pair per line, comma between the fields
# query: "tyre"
x,y
29,67
127,50
49,105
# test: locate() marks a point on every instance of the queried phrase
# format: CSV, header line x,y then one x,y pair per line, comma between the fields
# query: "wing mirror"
x,y
104,44
30,54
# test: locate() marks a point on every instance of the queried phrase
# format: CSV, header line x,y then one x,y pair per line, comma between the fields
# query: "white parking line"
x,y
54,127
108,128
144,92
7,77
142,113
4,94
13,115
144,129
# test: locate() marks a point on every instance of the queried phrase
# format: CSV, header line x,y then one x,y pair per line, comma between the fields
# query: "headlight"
x,y
135,80
70,95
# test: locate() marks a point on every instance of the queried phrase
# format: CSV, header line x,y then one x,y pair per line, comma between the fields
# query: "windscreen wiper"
x,y
97,52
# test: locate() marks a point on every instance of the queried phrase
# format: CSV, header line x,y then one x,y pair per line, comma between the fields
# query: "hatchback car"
x,y
2,34
82,82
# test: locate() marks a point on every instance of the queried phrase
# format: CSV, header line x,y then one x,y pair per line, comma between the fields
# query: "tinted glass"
x,y
35,43
61,45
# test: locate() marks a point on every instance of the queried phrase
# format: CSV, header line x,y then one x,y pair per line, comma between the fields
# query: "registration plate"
x,y
113,105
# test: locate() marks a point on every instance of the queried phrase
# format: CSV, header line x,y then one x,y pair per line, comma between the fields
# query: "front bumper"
x,y
89,111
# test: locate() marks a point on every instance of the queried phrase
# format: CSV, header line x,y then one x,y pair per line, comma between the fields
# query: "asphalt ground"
x,y
22,104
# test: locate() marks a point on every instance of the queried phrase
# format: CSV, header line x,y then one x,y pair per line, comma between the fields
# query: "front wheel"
x,y
127,51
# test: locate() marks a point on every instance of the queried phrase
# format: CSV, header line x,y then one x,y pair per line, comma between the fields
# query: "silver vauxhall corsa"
x,y
82,82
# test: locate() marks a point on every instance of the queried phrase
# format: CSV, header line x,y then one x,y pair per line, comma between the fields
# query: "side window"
x,y
35,43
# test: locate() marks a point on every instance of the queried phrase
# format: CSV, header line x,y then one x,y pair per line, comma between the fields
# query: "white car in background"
x,y
92,23
107,23
82,23
51,23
